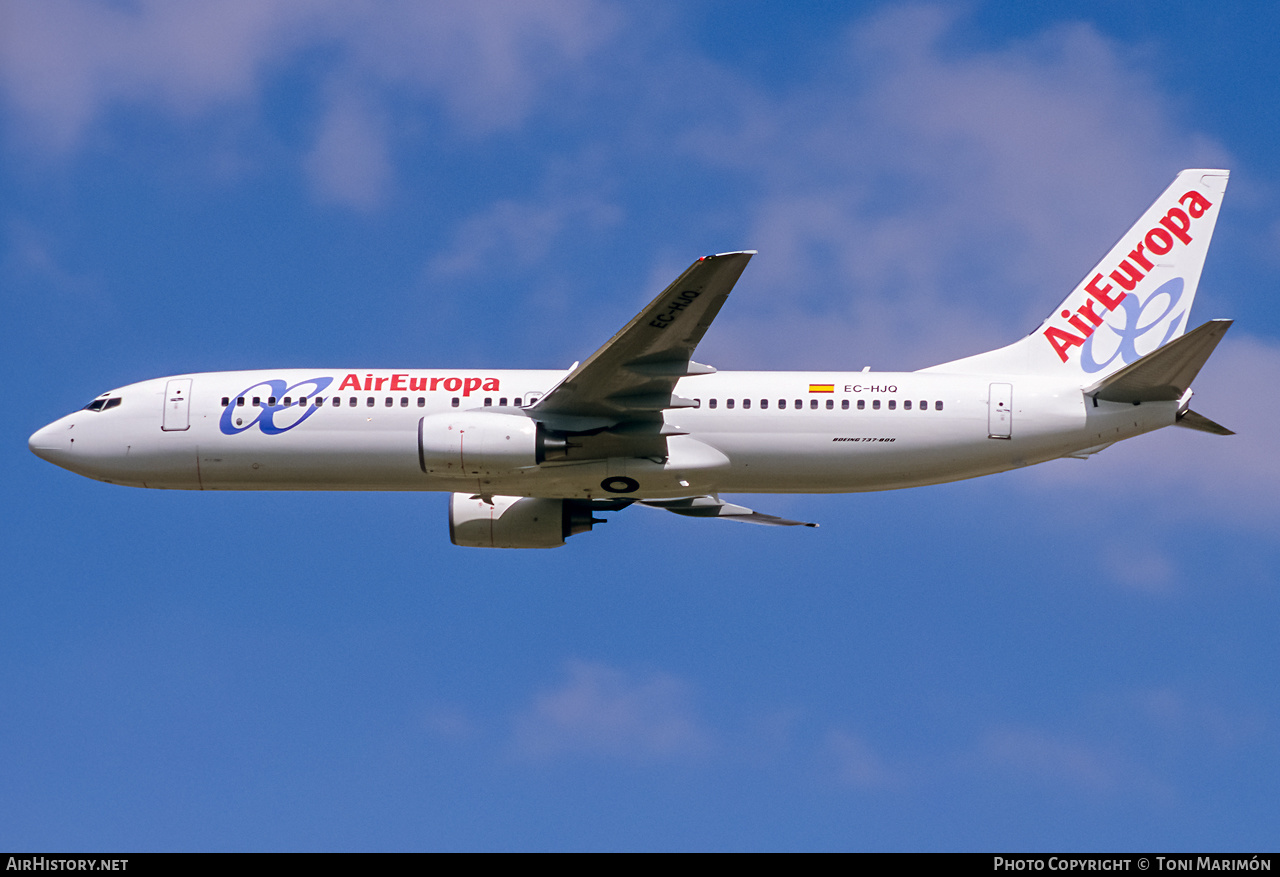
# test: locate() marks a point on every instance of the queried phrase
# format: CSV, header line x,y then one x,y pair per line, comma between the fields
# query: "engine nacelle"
x,y
482,442
517,521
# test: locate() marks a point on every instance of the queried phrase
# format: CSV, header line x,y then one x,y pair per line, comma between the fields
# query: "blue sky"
x,y
1081,655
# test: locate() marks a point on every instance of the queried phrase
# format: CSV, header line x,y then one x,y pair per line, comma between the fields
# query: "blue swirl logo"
x,y
1135,312
277,418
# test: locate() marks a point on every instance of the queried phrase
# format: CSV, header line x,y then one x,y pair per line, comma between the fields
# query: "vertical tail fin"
x,y
1132,302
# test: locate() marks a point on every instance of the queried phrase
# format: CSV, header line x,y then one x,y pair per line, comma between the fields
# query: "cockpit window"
x,y
103,404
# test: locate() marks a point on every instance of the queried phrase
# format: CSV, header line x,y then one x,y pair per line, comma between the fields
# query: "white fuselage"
x,y
768,432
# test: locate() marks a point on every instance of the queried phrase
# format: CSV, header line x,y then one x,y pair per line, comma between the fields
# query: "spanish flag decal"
x,y
822,388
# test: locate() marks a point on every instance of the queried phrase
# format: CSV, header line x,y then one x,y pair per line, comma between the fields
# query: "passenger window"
x,y
746,403
711,403
906,405
488,402
728,403
226,400
353,403
239,401
455,401
388,403
875,403
369,402
271,401
844,404
404,401
764,403
422,401
813,403
516,402
799,403
937,406
893,403
257,401
782,403
862,403
831,403
924,405
502,400
336,401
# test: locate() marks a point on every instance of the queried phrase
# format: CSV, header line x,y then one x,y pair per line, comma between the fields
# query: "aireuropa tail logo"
x,y
1103,298
1137,323
281,410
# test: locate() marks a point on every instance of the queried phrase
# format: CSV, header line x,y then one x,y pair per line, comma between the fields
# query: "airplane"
x,y
531,457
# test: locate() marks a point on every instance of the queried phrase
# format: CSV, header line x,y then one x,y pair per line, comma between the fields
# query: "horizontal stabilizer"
x,y
1191,420
1164,374
712,507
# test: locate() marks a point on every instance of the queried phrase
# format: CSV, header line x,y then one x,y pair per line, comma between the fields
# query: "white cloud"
x,y
1140,567
1195,720
519,233
601,711
931,202
857,764
349,163
65,64
1038,757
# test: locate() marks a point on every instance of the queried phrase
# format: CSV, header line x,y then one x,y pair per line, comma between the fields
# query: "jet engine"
x,y
517,521
483,442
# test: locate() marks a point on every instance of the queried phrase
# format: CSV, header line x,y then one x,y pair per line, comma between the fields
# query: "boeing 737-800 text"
x,y
531,457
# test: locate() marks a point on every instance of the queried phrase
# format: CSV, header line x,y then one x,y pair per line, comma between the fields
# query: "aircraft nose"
x,y
51,443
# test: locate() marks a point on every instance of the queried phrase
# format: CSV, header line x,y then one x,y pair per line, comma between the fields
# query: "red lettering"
x,y
1178,223
1062,341
469,385
435,381
1136,255
368,382
350,382
417,385
1126,275
397,382
1079,324
1159,242
1100,293
452,385
380,382
491,385
1086,310
1198,204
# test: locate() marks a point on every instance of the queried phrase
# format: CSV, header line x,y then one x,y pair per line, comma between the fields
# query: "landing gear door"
x,y
1000,412
177,405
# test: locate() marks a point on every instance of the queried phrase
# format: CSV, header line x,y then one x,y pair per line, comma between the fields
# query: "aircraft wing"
x,y
633,376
